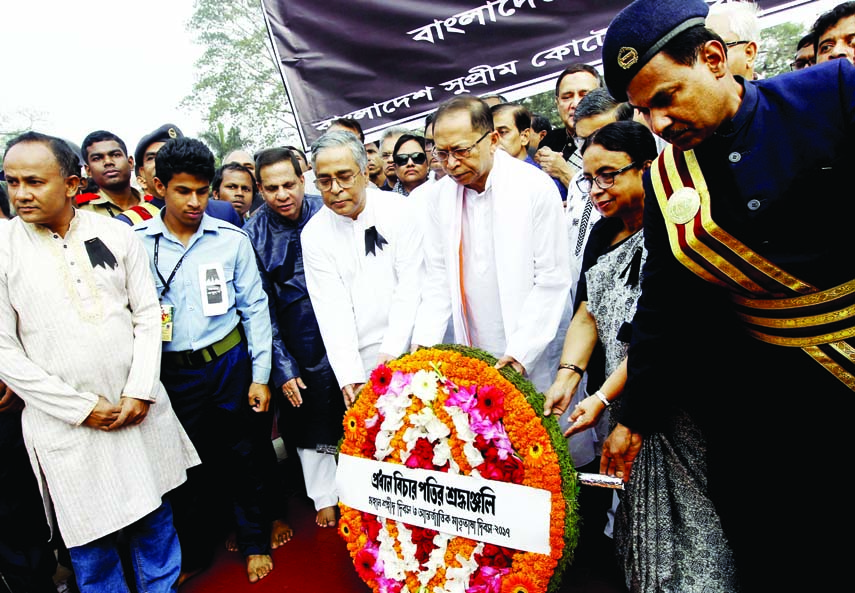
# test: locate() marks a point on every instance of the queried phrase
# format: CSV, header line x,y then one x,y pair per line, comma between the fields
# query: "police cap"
x,y
164,133
639,32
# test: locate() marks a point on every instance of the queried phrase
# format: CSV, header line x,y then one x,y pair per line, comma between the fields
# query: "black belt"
x,y
194,359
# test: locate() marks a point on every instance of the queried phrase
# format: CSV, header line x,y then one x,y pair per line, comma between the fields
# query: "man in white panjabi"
x,y
363,260
501,220
80,344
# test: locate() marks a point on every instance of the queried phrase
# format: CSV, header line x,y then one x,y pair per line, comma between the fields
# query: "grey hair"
x,y
338,138
742,18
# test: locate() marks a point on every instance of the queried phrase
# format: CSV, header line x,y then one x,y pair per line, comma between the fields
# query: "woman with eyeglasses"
x,y
411,163
667,533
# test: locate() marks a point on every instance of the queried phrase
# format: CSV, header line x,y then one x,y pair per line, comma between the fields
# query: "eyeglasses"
x,y
344,180
730,44
800,64
419,158
604,180
459,153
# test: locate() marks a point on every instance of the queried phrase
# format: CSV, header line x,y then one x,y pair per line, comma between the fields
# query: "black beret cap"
x,y
639,32
164,133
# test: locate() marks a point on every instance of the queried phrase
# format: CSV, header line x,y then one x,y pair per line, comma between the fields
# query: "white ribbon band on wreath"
x,y
507,514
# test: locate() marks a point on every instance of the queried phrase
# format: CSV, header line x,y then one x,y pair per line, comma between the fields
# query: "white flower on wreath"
x,y
423,385
408,548
461,424
393,566
441,453
383,445
436,558
434,429
457,578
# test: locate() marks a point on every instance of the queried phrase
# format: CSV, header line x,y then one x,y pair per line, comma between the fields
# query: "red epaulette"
x,y
85,198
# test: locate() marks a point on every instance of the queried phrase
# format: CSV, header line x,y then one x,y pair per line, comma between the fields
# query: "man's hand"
x,y
291,390
103,415
414,347
259,397
619,452
383,358
560,393
131,412
350,393
554,165
510,360
9,401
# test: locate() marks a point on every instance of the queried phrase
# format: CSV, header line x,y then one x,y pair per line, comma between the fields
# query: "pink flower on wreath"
x,y
381,377
462,397
387,585
491,403
488,579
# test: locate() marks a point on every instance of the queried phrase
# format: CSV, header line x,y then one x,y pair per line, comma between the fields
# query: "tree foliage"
x,y
222,142
777,48
238,83
544,104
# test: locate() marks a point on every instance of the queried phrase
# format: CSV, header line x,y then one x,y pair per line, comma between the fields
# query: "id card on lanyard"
x,y
167,311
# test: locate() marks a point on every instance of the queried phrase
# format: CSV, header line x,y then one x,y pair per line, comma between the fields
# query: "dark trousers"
x,y
27,562
211,403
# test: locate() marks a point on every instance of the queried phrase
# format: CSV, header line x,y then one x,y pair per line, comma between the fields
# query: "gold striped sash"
x,y
775,306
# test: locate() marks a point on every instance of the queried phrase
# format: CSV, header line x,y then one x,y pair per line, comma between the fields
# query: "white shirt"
x,y
365,304
481,284
71,330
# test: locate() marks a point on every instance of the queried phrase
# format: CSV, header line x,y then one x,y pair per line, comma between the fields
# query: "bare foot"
x,y
258,566
326,517
231,543
280,533
186,576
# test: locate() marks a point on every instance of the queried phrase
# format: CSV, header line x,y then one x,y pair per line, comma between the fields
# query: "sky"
x,y
84,65
120,65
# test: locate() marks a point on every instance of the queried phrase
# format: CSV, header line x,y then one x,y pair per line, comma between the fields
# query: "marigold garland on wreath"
x,y
393,557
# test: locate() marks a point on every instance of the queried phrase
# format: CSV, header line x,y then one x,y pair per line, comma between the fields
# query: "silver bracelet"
x,y
601,396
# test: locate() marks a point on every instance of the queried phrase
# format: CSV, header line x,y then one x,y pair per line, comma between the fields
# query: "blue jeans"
x,y
155,555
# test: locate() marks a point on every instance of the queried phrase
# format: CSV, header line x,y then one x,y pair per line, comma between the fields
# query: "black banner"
x,y
394,61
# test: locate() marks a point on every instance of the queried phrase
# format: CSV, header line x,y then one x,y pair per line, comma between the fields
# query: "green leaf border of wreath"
x,y
569,482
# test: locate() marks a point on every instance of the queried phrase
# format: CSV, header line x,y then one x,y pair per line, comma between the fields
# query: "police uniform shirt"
x,y
215,242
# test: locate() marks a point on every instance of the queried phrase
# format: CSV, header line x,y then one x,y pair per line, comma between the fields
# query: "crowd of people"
x,y
657,267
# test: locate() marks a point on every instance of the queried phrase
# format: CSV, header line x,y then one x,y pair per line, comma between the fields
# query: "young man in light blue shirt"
x,y
216,355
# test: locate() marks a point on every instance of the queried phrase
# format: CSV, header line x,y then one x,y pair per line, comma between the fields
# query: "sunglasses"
x,y
418,158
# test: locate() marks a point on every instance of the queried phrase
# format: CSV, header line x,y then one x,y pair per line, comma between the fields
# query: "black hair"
x,y
576,69
184,155
540,123
429,119
100,136
686,47
828,19
69,162
4,202
221,172
407,138
599,101
808,39
271,156
630,137
522,116
350,124
501,98
479,112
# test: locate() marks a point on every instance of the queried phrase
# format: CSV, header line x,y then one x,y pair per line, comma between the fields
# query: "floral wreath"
x,y
447,409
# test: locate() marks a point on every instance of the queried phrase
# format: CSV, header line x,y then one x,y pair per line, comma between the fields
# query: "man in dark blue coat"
x,y
312,419
745,318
